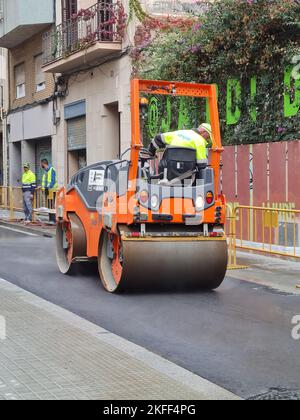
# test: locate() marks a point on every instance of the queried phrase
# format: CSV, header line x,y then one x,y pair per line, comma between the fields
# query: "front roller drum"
x,y
70,243
163,263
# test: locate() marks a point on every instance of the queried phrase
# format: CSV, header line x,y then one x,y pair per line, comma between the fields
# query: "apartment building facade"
x,y
87,51
29,114
69,81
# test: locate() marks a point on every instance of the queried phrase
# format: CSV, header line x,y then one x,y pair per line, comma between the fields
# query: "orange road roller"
x,y
149,221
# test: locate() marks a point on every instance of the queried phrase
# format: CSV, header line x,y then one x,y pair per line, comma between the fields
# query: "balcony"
x,y
21,19
91,35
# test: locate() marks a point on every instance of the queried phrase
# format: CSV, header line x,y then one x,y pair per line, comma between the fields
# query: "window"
x,y
2,96
20,81
39,74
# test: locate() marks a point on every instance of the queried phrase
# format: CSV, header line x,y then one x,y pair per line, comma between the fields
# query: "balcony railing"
x,y
104,22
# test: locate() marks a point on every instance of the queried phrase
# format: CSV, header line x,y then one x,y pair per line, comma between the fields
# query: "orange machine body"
x,y
69,202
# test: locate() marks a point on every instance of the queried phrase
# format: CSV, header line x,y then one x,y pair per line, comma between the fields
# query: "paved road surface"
x,y
238,337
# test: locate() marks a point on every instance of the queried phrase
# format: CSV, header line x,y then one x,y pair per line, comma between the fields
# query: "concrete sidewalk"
x,y
40,227
273,272
34,228
49,353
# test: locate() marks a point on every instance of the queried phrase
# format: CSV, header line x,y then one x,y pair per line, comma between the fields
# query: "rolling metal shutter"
x,y
77,133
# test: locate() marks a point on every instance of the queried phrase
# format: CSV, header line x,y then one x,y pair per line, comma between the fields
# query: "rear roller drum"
x,y
110,261
70,243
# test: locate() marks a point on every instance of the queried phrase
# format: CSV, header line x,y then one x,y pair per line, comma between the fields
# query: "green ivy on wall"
x,y
251,50
136,10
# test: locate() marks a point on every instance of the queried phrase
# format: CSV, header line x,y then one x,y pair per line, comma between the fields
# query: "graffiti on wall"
x,y
169,114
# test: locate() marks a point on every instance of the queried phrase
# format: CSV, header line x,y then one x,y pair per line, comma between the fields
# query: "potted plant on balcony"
x,y
86,14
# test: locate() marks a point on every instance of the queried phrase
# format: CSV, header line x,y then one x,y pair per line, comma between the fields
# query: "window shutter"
x,y
77,133
73,7
39,74
69,8
20,74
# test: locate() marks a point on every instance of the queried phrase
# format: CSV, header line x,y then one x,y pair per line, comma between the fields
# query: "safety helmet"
x,y
207,128
26,166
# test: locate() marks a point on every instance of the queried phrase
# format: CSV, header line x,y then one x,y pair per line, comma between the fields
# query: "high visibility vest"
x,y
47,180
28,181
188,138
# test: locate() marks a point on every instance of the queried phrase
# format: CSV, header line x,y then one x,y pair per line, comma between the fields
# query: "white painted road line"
x,y
18,231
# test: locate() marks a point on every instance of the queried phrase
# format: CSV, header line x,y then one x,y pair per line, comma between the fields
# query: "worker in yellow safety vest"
x,y
198,139
28,189
49,181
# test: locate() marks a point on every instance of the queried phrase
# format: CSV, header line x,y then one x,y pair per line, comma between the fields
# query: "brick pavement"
x,y
50,353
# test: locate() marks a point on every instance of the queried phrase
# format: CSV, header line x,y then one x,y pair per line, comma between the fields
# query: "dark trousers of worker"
x,y
27,205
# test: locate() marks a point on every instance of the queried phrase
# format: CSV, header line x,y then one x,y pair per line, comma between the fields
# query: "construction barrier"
x,y
231,235
263,229
11,199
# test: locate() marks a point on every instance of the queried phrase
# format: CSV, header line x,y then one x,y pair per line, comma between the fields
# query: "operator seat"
x,y
177,161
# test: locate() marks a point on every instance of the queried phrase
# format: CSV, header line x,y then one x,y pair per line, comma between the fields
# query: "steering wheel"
x,y
145,155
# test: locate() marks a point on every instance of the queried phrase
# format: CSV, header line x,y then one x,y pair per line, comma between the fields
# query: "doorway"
x,y
70,26
43,150
15,167
77,156
112,131
77,160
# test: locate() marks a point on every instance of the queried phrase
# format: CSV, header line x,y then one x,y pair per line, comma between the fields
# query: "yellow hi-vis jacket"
x,y
28,182
49,180
188,138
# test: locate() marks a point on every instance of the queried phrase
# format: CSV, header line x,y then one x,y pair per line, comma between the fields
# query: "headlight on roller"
x,y
199,203
154,202
144,196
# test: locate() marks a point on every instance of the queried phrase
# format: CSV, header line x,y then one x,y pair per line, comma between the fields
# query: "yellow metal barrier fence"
x,y
263,229
231,234
11,199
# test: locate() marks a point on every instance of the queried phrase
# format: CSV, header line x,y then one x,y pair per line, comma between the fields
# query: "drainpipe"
x,y
251,174
4,123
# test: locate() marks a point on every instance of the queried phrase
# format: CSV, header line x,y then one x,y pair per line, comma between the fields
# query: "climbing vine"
x,y
136,10
249,48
